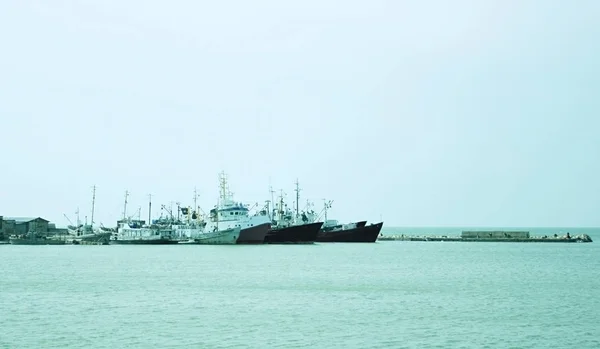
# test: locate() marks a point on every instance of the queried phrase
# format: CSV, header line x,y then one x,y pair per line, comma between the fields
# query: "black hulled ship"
x,y
298,234
291,227
353,232
333,231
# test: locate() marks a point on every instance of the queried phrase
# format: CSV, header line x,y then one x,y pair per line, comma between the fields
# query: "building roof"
x,y
23,219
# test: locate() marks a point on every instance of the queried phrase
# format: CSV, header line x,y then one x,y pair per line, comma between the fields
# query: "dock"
x,y
490,236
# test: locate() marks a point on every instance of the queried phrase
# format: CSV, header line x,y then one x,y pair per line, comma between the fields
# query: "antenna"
x,y
93,204
149,208
125,206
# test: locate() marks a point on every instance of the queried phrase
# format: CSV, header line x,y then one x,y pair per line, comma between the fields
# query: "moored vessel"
x,y
195,231
32,239
220,237
229,214
353,232
293,234
136,232
290,227
88,233
333,231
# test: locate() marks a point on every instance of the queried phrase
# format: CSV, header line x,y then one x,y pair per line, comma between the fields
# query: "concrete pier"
x,y
490,236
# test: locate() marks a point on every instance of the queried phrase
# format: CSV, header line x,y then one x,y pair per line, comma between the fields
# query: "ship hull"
x,y
362,233
98,238
36,242
223,237
295,234
254,235
144,242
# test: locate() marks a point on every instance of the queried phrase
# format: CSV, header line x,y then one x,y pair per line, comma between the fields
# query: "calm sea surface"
x,y
383,295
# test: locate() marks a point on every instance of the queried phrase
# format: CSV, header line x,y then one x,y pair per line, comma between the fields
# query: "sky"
x,y
417,113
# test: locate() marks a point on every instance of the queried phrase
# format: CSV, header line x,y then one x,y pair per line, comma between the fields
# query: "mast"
x,y
281,205
93,205
125,205
272,201
77,213
195,200
149,208
326,205
297,190
268,208
223,188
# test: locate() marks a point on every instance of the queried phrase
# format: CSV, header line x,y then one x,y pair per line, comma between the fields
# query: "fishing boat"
x,y
290,227
203,237
88,233
229,214
136,232
333,231
33,238
352,232
194,230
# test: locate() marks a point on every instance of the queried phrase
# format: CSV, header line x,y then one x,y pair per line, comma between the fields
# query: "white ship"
x,y
136,232
203,237
195,231
228,214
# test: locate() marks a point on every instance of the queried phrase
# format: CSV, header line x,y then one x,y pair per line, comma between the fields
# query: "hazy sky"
x,y
420,112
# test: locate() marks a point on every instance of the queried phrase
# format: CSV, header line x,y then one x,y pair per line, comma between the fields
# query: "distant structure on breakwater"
x,y
491,236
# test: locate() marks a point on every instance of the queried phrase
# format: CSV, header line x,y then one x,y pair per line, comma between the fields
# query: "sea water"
x,y
388,294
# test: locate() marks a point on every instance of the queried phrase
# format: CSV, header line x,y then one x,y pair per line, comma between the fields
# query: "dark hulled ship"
x,y
290,227
254,234
301,233
354,232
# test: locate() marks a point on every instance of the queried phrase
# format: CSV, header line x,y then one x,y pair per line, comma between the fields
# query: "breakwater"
x,y
490,236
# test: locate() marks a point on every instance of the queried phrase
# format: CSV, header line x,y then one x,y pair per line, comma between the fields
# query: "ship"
x,y
229,214
88,233
333,231
194,231
352,232
137,232
290,227
32,238
219,237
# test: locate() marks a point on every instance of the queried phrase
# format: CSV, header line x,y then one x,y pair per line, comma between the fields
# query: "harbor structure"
x,y
24,225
